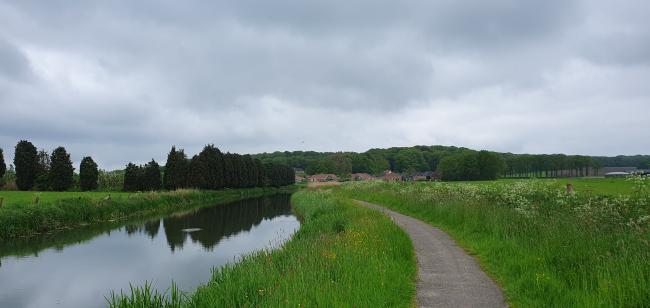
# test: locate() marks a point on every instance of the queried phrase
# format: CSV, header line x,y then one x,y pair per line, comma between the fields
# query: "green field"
x,y
609,186
343,255
546,247
29,197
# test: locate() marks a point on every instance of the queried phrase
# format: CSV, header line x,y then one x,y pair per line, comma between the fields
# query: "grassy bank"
x,y
343,255
21,216
544,246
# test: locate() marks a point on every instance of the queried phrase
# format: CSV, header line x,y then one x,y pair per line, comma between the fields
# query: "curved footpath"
x,y
447,276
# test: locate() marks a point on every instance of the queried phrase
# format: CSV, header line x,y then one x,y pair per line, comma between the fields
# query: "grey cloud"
x,y
254,76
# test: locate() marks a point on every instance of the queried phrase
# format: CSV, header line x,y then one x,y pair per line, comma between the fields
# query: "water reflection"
x,y
77,269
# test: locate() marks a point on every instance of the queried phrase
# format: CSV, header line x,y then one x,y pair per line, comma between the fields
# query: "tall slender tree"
x,y
131,177
88,174
176,170
26,164
3,166
61,170
151,178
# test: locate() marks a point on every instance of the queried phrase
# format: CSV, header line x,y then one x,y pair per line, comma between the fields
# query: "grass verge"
x,y
546,248
343,255
24,219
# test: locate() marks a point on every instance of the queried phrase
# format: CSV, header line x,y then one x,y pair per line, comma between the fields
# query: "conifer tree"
x,y
176,170
26,164
3,166
131,177
88,174
151,179
61,170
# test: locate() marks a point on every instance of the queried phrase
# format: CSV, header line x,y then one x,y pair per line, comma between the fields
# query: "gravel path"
x,y
447,276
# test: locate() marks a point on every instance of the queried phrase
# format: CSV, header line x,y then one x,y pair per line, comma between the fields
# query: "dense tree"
x,y
88,174
61,170
26,164
490,165
151,174
131,178
3,166
176,170
207,169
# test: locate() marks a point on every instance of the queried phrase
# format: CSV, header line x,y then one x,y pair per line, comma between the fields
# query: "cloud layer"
x,y
124,80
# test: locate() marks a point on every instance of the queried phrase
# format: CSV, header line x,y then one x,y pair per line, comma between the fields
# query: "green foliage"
x,y
206,169
131,178
344,255
44,163
547,247
176,170
111,180
26,164
3,168
151,175
61,170
88,174
471,166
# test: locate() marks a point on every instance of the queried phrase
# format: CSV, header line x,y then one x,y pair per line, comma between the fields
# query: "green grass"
x,y
545,247
344,255
609,186
28,197
22,217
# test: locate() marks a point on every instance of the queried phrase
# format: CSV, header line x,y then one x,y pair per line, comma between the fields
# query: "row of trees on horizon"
x,y
210,169
409,160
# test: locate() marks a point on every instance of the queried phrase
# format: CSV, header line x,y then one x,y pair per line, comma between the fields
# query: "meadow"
x,y
544,246
343,255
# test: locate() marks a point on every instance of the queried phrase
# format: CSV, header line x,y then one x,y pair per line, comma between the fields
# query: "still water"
x,y
77,268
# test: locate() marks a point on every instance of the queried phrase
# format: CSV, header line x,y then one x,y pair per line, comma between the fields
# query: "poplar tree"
x,y
88,174
61,170
26,164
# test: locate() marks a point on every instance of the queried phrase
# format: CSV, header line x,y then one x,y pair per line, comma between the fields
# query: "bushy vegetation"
x,y
547,247
26,214
344,255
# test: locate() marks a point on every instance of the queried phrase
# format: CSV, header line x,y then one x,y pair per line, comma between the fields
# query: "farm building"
x,y
323,178
361,177
617,174
300,179
424,176
389,176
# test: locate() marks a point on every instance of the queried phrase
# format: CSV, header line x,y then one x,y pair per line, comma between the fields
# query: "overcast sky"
x,y
124,80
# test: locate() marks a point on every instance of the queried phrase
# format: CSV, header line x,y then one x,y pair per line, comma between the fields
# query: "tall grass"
x,y
25,219
343,255
544,246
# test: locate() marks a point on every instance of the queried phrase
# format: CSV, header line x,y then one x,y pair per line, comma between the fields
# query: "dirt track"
x,y
447,276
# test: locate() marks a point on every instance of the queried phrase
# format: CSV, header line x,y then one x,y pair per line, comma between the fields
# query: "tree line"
x,y
33,169
210,169
410,160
